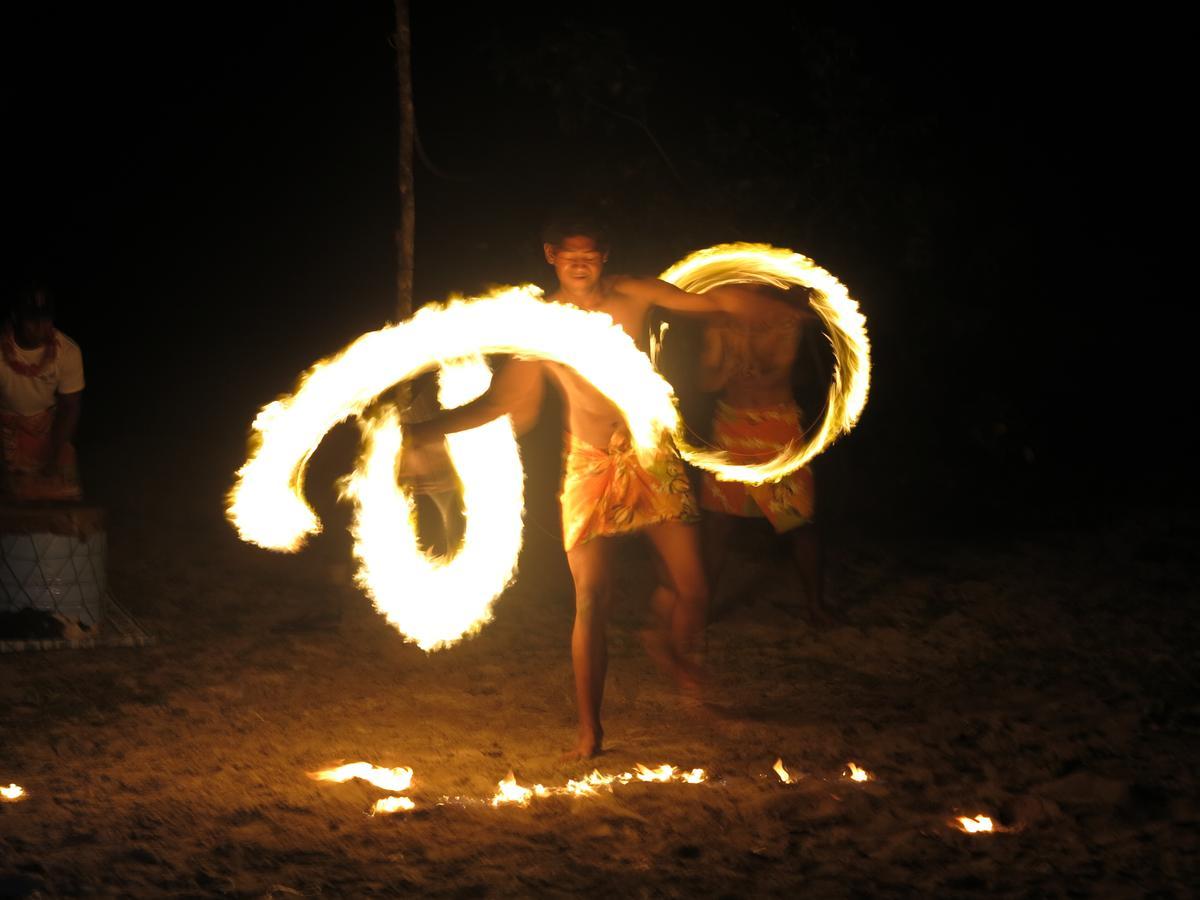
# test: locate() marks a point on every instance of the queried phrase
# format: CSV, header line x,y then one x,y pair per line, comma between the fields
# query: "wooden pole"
x,y
408,216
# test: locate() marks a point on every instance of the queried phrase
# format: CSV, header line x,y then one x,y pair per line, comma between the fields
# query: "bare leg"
x,y
808,558
683,609
663,599
589,640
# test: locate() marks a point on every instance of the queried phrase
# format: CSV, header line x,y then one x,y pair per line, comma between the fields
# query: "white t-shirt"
x,y
27,395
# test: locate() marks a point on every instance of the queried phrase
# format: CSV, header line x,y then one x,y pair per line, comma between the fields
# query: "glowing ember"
x,y
975,825
511,792
386,805
845,327
13,792
399,779
857,774
781,771
696,776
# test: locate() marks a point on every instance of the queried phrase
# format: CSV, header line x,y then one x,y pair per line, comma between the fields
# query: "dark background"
x,y
212,194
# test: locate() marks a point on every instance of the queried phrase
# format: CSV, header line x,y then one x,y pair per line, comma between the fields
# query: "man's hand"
x,y
425,466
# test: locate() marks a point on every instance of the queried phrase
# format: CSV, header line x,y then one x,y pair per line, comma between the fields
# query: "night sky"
x,y
212,194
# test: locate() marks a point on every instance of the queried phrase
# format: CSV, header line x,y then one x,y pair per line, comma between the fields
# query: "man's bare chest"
x,y
628,315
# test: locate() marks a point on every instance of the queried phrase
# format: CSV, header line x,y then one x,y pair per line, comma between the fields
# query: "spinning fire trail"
x,y
267,504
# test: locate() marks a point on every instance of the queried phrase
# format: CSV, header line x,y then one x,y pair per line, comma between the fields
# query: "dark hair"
x,y
575,224
33,301
794,294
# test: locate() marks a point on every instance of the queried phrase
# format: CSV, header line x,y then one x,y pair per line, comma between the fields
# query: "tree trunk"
x,y
421,403
407,230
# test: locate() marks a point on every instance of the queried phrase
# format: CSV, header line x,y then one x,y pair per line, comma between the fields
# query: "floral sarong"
x,y
754,436
607,491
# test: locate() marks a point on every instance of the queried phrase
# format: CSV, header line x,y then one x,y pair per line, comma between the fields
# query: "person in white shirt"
x,y
41,391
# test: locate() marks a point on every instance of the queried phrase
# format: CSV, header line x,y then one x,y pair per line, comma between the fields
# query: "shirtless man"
x,y
605,492
748,358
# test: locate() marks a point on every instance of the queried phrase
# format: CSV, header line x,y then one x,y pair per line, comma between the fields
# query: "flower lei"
x,y
8,347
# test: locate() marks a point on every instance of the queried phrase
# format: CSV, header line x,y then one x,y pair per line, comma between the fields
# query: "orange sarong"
x,y
753,436
608,492
25,444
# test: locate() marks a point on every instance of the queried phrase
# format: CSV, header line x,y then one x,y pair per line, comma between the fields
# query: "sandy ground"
x,y
1048,681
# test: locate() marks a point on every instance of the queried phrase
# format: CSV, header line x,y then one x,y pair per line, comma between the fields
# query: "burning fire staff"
x,y
606,491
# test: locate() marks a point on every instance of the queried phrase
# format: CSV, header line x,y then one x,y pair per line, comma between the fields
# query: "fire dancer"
x,y
749,358
605,490
41,387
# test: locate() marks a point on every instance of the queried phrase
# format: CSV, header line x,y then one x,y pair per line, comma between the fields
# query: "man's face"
x,y
577,261
34,332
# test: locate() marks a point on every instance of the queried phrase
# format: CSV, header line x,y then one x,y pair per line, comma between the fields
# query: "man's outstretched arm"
x,y
734,299
516,390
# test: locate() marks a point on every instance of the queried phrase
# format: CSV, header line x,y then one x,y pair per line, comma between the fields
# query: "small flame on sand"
x,y
511,792
386,805
662,773
975,825
508,792
398,779
13,792
857,774
781,771
587,786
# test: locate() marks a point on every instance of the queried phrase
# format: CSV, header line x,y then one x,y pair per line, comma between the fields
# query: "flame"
x,y
395,573
399,779
857,774
267,504
978,824
781,771
385,805
588,783
508,791
12,793
662,773
511,792
845,327
579,788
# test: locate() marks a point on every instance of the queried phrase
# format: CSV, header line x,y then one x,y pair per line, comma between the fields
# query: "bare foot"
x,y
588,746
688,676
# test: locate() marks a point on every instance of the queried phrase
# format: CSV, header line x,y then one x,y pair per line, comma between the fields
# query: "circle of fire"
x,y
844,325
435,601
